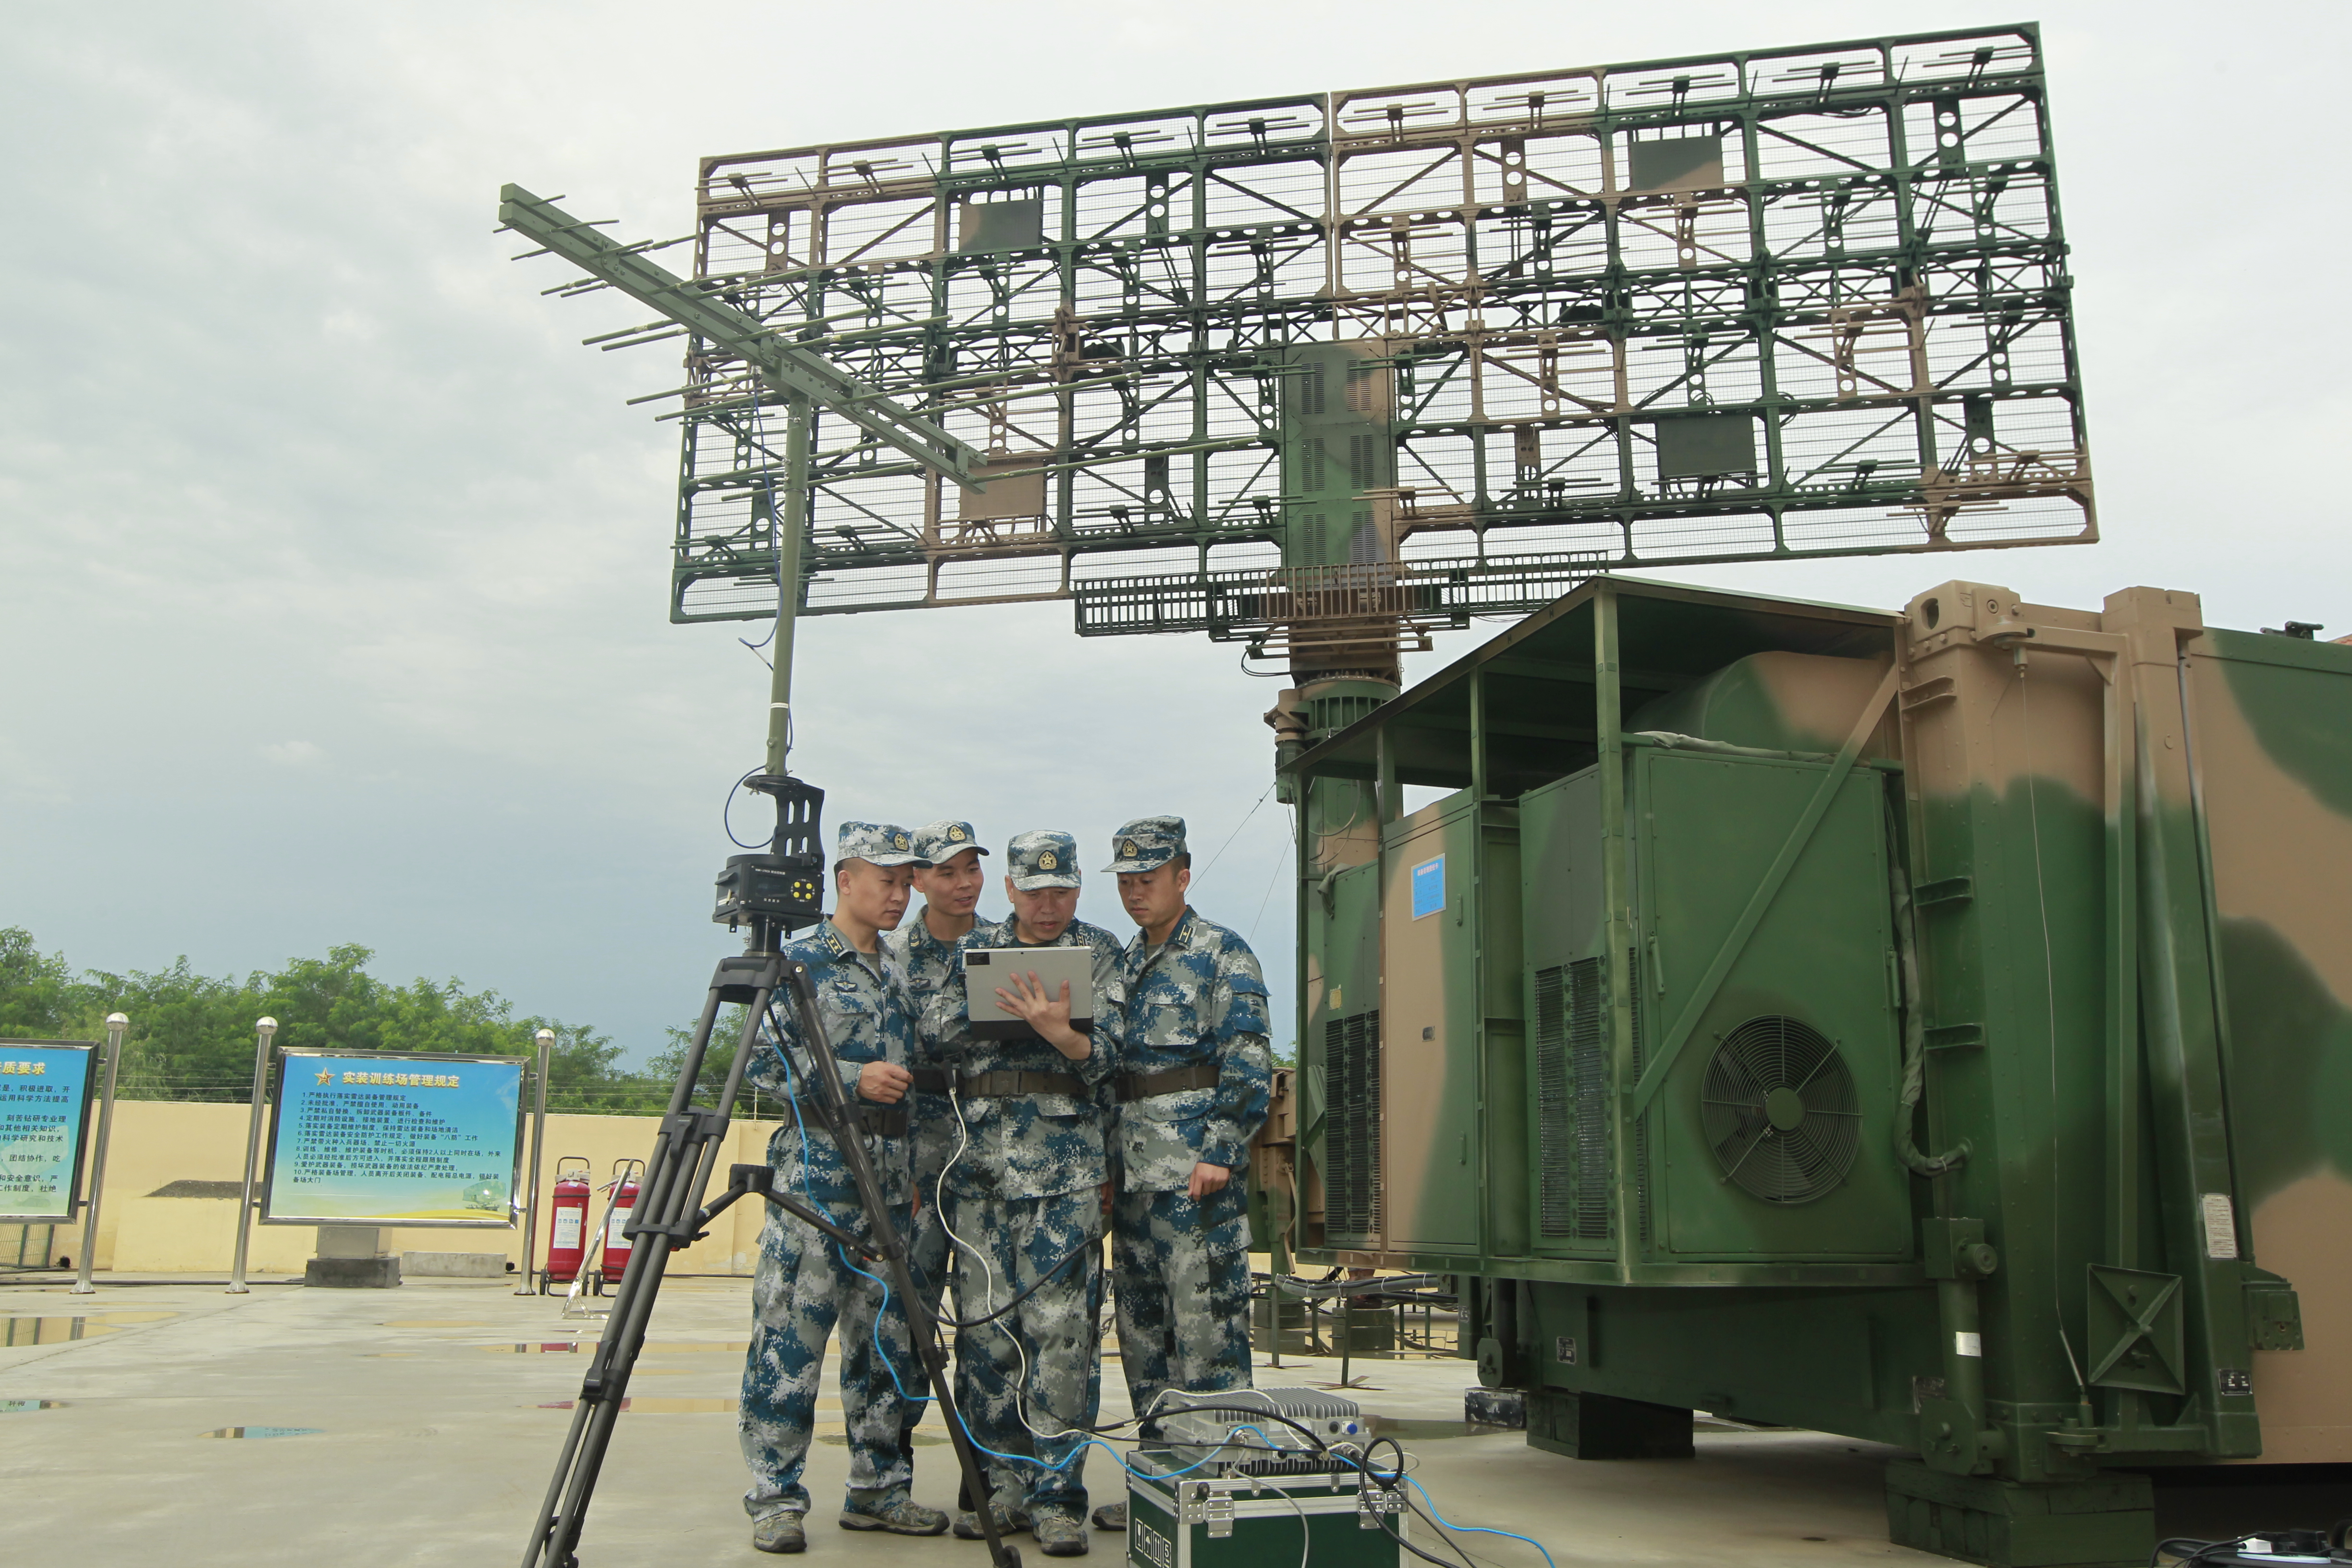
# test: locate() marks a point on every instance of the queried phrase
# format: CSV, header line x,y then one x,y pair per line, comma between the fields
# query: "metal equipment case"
x,y
1252,1521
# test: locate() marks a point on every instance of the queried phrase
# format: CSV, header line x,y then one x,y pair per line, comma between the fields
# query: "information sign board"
x,y
394,1138
45,1090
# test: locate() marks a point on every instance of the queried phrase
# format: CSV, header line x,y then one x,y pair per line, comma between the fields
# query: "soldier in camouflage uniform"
x,y
925,947
1023,1197
804,1281
1196,1071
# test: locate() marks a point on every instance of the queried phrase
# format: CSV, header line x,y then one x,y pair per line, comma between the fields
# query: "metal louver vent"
x,y
1554,1125
1779,1107
1351,1145
1573,1101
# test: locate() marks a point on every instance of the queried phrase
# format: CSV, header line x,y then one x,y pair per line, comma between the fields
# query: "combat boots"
x,y
1010,1519
892,1511
780,1533
1060,1534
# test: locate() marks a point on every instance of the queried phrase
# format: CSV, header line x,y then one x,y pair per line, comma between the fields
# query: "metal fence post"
x,y
116,1024
264,1032
528,1286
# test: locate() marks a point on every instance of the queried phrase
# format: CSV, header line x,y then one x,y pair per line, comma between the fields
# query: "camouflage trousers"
x,y
801,1287
1053,1331
1181,1269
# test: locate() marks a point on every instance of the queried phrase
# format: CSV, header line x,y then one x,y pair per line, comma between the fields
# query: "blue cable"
x,y
1475,1529
785,1056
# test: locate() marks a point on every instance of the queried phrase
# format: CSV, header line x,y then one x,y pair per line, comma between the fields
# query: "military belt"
x,y
930,1080
1136,1086
881,1121
1002,1085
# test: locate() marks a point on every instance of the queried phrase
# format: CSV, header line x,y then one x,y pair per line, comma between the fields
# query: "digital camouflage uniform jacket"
x,y
1028,1146
870,1016
929,963
1199,997
926,960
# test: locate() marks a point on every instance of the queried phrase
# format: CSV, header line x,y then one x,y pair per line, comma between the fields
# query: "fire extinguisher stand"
x,y
533,1282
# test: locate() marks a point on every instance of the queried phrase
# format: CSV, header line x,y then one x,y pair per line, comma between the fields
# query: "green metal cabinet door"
x,y
1770,1134
1430,1025
1569,1090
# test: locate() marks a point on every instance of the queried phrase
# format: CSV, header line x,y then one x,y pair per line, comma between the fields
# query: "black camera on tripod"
x,y
784,884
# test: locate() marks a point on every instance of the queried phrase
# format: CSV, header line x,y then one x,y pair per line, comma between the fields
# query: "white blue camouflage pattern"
x,y
868,1016
1181,1269
1057,1334
883,843
799,1288
1147,844
1199,997
1022,1192
941,841
1036,1145
1042,857
1179,1266
803,1284
929,964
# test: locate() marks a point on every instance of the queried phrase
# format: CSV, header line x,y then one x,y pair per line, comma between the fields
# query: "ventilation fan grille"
x,y
1779,1112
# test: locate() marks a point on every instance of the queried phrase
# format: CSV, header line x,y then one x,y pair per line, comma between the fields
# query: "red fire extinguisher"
x,y
567,1236
624,1200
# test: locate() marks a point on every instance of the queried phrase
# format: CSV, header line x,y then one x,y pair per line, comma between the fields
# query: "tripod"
x,y
670,1214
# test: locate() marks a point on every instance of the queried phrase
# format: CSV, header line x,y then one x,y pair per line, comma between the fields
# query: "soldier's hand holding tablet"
x,y
1049,1015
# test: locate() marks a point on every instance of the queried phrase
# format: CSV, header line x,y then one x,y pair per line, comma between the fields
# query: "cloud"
x,y
293,753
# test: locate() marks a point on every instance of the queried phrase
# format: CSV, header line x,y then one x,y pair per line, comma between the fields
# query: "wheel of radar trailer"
x,y
1778,1103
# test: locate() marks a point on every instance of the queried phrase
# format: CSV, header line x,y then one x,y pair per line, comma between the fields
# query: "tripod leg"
x,y
670,1201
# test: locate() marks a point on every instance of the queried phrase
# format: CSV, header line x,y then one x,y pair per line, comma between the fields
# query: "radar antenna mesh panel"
x,y
1403,355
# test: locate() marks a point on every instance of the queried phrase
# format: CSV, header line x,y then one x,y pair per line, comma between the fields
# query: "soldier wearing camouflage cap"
x,y
1196,1071
803,1282
1022,1192
925,946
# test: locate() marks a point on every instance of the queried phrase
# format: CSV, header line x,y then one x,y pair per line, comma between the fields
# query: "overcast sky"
x,y
333,570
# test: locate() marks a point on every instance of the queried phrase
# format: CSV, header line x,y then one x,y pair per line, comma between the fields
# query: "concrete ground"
x,y
418,1427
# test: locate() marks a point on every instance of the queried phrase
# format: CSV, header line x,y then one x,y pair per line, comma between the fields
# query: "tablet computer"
x,y
988,969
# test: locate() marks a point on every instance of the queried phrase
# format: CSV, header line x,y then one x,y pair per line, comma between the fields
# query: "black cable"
x,y
1026,1291
1397,1535
726,806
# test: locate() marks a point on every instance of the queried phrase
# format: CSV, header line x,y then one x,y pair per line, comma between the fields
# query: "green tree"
x,y
39,998
663,1067
190,1036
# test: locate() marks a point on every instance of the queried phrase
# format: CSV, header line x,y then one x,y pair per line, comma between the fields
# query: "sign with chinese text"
x,y
393,1138
44,1088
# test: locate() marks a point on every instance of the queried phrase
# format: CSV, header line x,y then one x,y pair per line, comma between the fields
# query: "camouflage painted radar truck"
x,y
1929,1027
